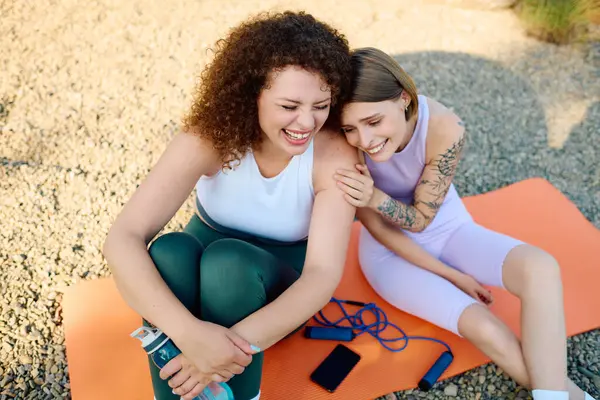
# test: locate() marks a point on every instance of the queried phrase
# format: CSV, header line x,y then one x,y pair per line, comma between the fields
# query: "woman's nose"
x,y
365,138
306,120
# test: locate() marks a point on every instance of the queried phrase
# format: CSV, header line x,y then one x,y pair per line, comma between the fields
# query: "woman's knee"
x,y
174,248
527,266
231,286
177,257
478,325
231,259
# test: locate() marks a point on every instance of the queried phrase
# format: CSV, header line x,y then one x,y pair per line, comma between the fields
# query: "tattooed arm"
x,y
444,147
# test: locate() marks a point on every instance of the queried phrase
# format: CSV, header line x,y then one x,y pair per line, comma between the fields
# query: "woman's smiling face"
x,y
293,108
378,128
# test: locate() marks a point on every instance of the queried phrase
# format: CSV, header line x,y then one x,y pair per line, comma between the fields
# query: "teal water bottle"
x,y
161,350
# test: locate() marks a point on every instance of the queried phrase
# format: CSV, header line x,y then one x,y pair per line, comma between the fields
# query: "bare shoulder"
x,y
168,184
332,152
445,129
197,149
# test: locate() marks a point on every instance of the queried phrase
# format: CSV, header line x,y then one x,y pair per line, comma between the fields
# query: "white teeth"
x,y
296,135
378,148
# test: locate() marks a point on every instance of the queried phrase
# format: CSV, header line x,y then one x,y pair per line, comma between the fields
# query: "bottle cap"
x,y
151,338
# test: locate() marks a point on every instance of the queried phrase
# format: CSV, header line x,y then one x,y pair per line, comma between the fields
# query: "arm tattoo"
x,y
398,213
445,167
449,159
436,187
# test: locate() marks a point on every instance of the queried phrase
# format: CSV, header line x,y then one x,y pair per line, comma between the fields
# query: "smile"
x,y
296,135
377,149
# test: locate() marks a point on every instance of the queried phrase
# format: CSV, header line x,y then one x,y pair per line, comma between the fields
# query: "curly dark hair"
x,y
225,109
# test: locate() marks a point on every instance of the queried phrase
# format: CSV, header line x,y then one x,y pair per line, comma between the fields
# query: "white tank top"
x,y
277,208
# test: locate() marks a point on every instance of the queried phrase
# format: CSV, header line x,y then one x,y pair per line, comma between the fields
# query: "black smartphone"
x,y
335,367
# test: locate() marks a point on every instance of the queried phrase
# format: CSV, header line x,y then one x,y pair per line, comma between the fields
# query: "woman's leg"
x,y
236,279
412,289
253,277
533,276
493,338
177,257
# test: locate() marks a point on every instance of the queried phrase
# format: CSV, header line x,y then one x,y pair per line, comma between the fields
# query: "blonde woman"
x,y
421,250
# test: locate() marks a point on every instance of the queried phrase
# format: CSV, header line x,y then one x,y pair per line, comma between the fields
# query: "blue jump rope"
x,y
336,331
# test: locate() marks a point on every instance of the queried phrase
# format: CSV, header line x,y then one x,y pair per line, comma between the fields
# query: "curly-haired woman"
x,y
267,246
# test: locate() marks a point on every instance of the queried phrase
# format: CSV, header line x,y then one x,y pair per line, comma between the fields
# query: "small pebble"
x,y
451,390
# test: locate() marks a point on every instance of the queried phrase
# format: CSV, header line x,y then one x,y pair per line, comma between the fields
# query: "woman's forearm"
x,y
399,214
303,299
142,287
402,245
412,252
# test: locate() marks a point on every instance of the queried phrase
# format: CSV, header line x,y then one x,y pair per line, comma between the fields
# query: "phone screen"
x,y
334,369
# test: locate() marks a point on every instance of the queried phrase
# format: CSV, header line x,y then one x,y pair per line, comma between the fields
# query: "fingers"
x,y
358,189
474,293
352,200
179,379
363,169
483,295
489,298
351,181
186,387
241,358
241,343
235,369
221,377
171,368
357,194
191,395
353,174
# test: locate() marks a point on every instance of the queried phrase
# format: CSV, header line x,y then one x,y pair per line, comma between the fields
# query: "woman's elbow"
x,y
421,224
115,241
109,245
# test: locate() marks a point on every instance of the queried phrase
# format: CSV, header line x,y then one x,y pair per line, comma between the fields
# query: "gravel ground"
x,y
90,94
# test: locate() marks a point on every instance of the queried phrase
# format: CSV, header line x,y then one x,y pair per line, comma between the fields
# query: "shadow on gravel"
x,y
507,139
580,173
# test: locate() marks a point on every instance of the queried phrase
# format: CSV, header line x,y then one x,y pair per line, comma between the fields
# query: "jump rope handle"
x,y
436,370
323,333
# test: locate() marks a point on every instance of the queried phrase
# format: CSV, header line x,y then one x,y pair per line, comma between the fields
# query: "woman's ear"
x,y
405,99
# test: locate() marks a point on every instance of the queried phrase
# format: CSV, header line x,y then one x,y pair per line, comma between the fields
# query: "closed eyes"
x,y
293,108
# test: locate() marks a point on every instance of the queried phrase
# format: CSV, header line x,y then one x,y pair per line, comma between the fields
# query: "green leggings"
x,y
223,279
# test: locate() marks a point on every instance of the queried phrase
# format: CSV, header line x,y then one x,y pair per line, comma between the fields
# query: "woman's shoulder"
x,y
444,125
329,143
188,145
331,152
438,112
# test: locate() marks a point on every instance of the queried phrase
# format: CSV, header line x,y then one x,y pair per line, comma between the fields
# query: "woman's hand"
x,y
470,286
211,353
358,186
187,382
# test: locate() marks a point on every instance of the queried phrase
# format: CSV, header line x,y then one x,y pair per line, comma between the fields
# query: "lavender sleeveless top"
x,y
399,176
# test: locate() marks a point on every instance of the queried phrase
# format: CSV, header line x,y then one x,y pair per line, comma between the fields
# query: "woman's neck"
x,y
411,124
270,160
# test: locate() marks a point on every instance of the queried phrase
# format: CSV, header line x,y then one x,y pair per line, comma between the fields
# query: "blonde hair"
x,y
376,76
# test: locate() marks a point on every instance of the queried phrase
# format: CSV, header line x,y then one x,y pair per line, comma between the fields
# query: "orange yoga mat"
x,y
105,363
